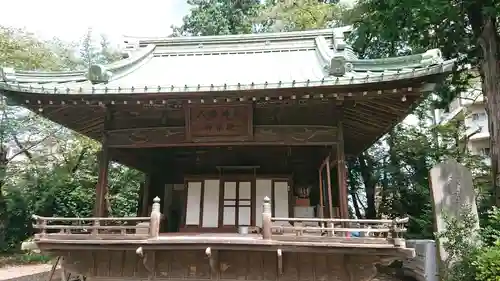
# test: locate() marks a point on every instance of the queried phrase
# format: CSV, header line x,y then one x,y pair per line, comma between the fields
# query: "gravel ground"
x,y
19,271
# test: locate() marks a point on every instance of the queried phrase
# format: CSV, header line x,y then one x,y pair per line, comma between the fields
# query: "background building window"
x,y
485,151
479,116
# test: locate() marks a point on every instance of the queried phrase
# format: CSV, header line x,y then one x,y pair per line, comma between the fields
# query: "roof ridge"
x,y
240,38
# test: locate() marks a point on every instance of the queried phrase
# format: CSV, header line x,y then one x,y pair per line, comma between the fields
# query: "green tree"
x,y
44,168
301,15
18,49
466,30
218,17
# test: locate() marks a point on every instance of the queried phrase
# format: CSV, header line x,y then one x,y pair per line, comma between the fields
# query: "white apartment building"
x,y
471,107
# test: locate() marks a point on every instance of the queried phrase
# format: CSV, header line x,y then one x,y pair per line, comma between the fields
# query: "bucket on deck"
x,y
243,230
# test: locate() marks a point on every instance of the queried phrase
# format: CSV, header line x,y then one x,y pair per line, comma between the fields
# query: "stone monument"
x,y
452,192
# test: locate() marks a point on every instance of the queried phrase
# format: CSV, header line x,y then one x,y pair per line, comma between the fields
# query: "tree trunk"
x,y
3,204
489,41
353,187
366,164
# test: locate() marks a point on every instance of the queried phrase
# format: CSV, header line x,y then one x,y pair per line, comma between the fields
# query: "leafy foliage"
x,y
490,232
218,17
46,169
487,264
301,15
460,240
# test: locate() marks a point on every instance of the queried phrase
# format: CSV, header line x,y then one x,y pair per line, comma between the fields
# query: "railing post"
x,y
154,223
97,224
43,224
266,219
331,226
398,241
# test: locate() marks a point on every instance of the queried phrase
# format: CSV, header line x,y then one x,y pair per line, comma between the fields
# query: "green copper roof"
x,y
228,63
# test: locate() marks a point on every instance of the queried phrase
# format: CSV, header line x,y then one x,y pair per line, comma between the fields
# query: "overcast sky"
x,y
69,20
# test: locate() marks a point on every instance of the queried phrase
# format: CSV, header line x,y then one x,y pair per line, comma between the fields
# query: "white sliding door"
x,y
202,208
193,203
211,203
237,208
245,203
229,211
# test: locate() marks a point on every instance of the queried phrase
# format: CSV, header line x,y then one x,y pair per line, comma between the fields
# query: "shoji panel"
x,y
245,202
211,203
193,203
229,209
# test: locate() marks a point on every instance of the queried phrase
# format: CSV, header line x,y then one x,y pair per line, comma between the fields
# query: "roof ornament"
x,y
340,45
8,74
125,55
99,74
431,57
339,66
131,44
339,41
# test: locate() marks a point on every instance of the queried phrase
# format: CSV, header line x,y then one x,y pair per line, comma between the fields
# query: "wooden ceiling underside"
x,y
365,118
302,162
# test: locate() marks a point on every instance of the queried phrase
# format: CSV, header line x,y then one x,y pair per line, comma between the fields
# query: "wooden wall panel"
x,y
232,265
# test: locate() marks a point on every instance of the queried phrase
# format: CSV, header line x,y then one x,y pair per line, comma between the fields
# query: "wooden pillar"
x,y
101,203
341,172
329,186
321,199
144,203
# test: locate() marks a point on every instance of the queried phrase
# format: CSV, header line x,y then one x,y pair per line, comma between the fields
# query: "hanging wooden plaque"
x,y
219,123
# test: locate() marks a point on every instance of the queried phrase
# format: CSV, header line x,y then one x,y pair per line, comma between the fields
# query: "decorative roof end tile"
x,y
339,42
339,66
432,57
99,74
8,74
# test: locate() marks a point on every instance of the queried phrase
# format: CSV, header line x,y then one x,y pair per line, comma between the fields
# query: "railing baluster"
x,y
331,232
154,223
266,219
43,223
97,224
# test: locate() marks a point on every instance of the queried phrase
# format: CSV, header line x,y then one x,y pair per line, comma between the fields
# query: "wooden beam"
x,y
291,135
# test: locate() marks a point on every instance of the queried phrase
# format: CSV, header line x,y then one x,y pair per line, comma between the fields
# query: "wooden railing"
x,y
110,227
389,230
273,228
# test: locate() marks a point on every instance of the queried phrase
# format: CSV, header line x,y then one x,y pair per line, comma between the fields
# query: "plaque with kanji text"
x,y
212,123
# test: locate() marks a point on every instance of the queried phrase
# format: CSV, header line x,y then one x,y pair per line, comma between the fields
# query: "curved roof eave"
x,y
353,79
316,58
